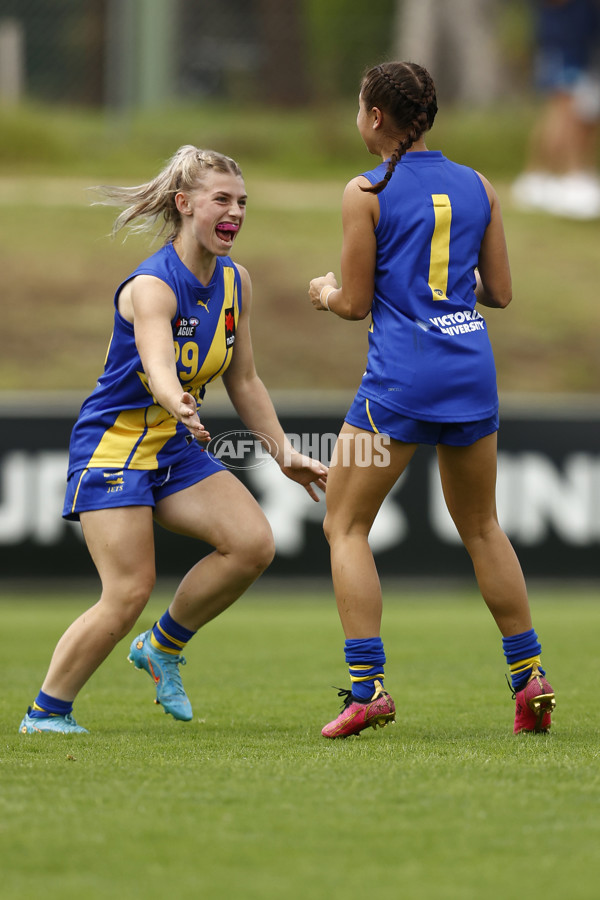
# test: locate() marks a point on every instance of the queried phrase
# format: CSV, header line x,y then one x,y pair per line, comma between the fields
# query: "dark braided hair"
x,y
406,92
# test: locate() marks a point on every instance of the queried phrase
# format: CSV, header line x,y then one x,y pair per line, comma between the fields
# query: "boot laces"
x,y
346,695
510,687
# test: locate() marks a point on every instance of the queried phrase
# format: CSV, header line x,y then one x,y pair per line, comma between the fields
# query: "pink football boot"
x,y
534,703
355,716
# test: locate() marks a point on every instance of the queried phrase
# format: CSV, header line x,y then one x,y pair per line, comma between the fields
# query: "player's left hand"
x,y
307,472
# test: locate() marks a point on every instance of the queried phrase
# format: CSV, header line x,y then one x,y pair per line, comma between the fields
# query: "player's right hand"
x,y
188,416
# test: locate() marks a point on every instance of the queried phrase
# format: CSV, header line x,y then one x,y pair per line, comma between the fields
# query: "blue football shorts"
x,y
371,416
109,488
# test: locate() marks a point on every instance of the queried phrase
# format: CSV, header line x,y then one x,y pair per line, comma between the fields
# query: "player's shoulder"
x,y
359,181
237,267
357,199
244,281
488,188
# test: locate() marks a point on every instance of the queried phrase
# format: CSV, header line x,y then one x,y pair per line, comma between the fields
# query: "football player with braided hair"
x,y
423,246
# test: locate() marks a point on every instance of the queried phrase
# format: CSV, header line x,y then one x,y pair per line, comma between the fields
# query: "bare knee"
x,y
263,548
127,599
254,549
480,532
337,528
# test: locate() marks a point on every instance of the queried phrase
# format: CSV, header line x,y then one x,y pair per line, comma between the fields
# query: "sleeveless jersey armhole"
x,y
484,197
383,208
142,270
238,285
372,178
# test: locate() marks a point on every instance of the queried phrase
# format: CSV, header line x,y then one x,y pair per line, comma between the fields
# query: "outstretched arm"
x,y
150,305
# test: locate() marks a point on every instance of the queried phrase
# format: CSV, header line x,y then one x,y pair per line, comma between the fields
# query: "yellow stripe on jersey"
x,y
373,425
219,356
138,435
135,438
440,246
195,375
161,428
108,348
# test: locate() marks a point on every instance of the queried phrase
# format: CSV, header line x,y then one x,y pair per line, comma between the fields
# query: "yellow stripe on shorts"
x,y
373,425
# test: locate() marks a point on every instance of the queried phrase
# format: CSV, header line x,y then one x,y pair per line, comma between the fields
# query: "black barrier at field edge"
x,y
548,493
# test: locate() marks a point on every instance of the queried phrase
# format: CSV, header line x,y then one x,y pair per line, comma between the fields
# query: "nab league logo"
x,y
186,327
229,327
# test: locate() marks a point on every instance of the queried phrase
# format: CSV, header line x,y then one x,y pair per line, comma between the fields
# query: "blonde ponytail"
x,y
155,200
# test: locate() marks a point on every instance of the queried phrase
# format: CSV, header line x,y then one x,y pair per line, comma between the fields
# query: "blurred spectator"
x,y
453,39
561,172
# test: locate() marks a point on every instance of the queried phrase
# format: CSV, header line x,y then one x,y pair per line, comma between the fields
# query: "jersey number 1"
x,y
440,246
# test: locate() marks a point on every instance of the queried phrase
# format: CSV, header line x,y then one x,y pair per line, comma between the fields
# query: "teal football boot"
x,y
57,724
163,669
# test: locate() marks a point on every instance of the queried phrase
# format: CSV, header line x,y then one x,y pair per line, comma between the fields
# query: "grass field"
x,y
60,269
249,802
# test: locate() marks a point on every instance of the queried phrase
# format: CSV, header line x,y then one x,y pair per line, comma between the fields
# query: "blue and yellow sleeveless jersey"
x,y
429,352
120,424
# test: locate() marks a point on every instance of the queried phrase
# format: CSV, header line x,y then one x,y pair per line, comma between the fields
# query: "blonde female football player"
x,y
416,230
181,320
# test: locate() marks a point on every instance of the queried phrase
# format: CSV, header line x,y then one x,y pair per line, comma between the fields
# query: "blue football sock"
x,y
168,636
365,658
522,652
44,706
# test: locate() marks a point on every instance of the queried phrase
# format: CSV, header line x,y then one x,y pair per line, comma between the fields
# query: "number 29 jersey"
x,y
121,424
429,352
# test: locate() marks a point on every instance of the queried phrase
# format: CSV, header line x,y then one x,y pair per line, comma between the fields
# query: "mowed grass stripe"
x,y
248,801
